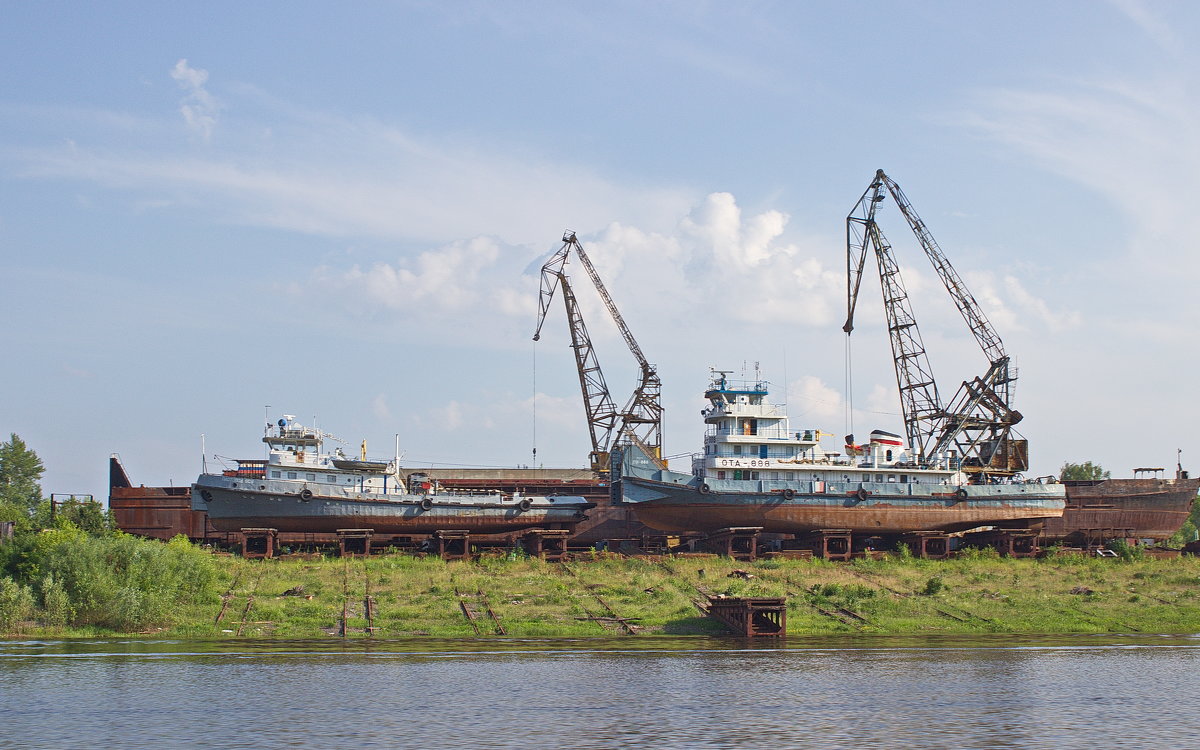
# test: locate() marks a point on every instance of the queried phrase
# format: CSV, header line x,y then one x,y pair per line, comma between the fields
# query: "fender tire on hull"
x,y
426,504
525,504
789,493
306,494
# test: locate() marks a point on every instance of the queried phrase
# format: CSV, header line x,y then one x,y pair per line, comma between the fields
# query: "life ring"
x,y
789,493
525,504
861,494
426,504
961,493
306,494
705,489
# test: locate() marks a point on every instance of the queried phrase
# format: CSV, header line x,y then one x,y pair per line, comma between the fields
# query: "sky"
x,y
215,214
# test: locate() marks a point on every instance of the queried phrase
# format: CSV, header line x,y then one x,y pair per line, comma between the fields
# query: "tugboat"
x,y
302,488
757,472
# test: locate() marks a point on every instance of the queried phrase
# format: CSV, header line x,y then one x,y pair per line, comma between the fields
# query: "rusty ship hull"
x,y
675,502
679,508
1114,508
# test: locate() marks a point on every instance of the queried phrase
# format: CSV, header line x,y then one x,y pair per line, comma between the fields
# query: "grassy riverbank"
x,y
975,593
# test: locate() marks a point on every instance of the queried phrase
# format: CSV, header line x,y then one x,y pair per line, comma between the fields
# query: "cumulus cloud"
x,y
199,107
453,277
815,403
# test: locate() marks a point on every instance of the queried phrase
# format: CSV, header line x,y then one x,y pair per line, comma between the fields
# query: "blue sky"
x,y
341,212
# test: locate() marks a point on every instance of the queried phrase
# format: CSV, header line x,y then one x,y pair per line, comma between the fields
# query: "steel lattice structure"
x,y
977,424
641,418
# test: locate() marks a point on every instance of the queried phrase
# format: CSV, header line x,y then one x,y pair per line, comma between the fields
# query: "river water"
x,y
635,692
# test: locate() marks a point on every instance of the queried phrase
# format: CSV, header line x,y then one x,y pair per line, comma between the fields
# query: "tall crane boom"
x,y
977,424
641,418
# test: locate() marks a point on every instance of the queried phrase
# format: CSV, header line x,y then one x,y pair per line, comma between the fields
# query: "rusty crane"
x,y
977,424
640,421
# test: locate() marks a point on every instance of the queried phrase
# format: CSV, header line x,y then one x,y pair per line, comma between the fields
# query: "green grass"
x,y
977,593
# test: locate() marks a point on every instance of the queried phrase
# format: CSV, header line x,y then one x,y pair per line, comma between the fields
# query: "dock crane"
x,y
640,421
977,425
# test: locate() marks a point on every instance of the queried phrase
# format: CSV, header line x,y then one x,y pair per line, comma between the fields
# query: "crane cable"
x,y
534,409
849,385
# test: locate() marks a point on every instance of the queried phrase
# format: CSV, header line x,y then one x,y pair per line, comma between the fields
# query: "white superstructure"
x,y
748,438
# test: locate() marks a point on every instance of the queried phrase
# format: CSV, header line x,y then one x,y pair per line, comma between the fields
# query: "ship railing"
x,y
760,433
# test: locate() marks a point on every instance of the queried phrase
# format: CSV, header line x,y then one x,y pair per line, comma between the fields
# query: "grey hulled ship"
x,y
302,488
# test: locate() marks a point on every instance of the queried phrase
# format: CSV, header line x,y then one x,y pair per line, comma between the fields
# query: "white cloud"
x,y
199,107
355,177
814,403
379,407
1157,29
455,277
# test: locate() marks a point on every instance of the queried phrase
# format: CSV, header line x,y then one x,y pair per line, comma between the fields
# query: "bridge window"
x,y
291,475
274,474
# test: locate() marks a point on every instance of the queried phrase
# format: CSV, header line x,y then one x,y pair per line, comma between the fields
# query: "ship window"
x,y
737,450
274,474
291,475
891,477
311,477
330,478
888,456
720,475
904,478
737,474
878,477
754,475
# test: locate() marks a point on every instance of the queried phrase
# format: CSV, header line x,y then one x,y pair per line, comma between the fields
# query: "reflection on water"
x,y
633,692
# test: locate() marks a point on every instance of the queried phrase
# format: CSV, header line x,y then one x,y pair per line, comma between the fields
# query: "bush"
x,y
56,604
1126,551
16,605
933,586
978,553
115,581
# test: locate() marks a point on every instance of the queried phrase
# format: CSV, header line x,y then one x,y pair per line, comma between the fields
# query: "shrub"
x,y
56,604
16,605
115,581
933,586
1126,551
978,553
